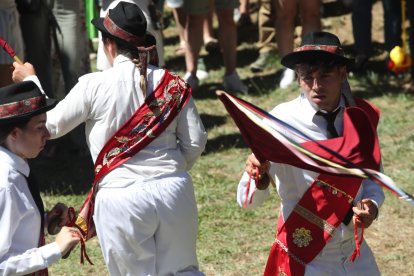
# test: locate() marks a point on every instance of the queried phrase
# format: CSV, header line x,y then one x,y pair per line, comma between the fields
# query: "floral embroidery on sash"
x,y
160,109
302,237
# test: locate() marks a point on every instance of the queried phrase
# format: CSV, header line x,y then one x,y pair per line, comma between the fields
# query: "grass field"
x,y
233,241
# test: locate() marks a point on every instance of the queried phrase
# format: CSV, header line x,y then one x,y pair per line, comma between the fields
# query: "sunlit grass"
x,y
233,241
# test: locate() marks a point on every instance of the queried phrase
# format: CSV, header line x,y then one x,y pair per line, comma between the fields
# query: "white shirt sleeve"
x,y
36,80
26,261
70,112
191,134
372,191
249,194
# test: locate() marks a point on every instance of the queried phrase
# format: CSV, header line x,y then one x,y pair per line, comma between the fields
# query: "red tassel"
x,y
7,47
248,188
71,223
357,251
83,252
9,50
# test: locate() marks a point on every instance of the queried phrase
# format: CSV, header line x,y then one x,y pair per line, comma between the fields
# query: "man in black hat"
x,y
144,134
23,135
319,225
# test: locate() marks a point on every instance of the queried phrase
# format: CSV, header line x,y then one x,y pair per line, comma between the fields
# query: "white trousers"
x,y
149,228
334,260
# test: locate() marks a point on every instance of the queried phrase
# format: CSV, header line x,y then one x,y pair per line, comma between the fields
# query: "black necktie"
x,y
330,120
332,133
31,182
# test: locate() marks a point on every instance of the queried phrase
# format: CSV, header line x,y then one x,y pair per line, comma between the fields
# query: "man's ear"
x,y
112,47
297,76
14,133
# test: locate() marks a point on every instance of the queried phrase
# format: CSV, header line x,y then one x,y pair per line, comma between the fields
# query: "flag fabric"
x,y
356,153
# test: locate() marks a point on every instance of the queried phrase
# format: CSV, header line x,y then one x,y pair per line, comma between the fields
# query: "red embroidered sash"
x,y
322,208
149,121
311,224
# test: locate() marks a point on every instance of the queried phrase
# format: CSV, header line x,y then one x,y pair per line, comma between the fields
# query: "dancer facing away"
x,y
144,132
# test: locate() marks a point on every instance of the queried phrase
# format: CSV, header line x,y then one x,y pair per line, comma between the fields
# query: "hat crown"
x,y
320,38
129,17
22,100
19,92
317,46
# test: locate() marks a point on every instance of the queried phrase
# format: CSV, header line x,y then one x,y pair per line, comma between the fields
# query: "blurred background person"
x,y
286,13
228,43
242,14
60,21
11,33
266,24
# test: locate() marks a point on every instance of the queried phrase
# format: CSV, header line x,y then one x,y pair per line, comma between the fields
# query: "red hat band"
x,y
116,31
21,107
327,48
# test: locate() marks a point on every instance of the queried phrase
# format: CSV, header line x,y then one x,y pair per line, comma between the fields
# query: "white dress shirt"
x,y
105,100
20,221
292,182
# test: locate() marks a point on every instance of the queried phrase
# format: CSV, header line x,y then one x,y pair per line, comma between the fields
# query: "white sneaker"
x,y
201,74
201,69
288,77
232,82
191,80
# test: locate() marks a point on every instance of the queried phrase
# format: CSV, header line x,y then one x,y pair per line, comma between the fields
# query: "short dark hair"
x,y
6,129
313,65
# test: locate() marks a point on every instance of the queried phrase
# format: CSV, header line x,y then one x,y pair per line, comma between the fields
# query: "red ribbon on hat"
x,y
327,48
21,107
117,31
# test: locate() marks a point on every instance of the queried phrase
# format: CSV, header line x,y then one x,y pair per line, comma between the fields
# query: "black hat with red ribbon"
x,y
317,46
126,23
21,101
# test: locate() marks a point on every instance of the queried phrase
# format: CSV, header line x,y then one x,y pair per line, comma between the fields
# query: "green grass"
x,y
233,241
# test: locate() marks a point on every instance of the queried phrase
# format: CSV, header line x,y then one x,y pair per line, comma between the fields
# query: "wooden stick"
x,y
17,59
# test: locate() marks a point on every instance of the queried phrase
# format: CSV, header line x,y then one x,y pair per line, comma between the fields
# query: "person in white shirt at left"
x,y
23,135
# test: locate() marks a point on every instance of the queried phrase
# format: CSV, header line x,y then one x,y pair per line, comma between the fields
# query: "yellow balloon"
x,y
397,55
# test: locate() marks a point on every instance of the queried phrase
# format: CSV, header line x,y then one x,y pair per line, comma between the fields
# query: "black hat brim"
x,y
99,24
292,59
50,104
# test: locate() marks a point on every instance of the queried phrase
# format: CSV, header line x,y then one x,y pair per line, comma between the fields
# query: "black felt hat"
x,y
126,23
316,46
21,101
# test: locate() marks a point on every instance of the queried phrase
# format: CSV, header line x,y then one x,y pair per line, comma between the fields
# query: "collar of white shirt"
x,y
14,161
119,59
311,110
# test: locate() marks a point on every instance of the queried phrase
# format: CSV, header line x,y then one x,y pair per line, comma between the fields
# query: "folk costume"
x,y
22,248
145,212
315,232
